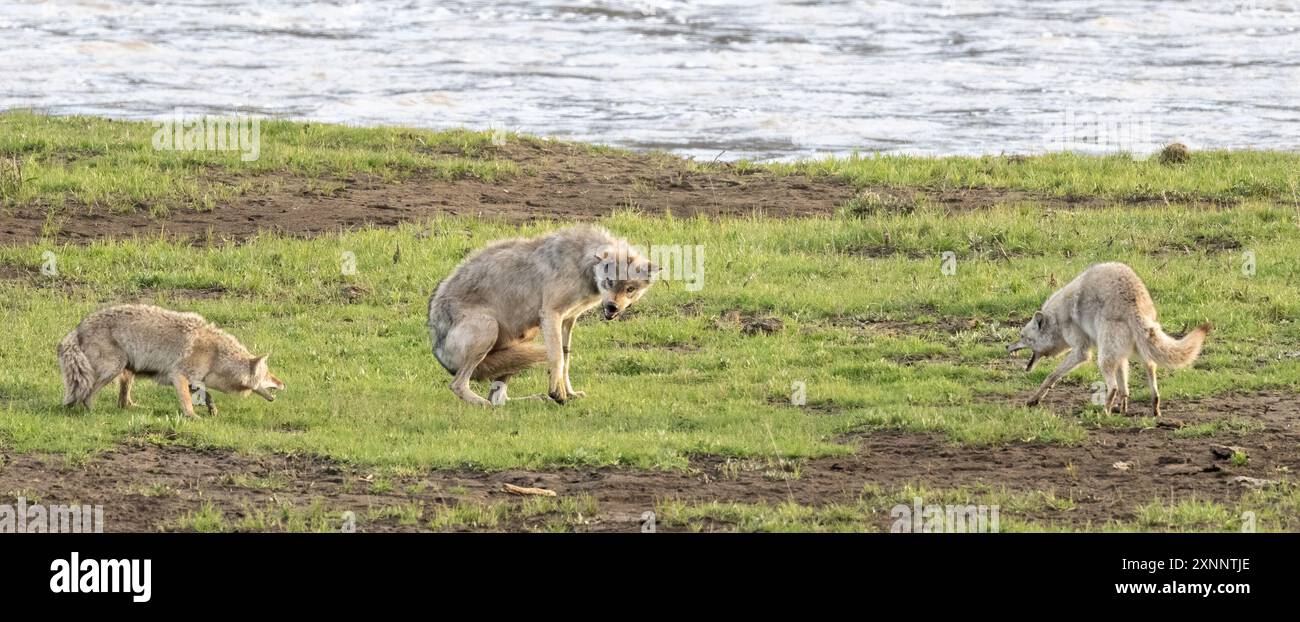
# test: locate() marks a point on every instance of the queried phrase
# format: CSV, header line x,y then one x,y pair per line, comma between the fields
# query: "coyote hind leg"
x,y
108,366
124,382
465,346
1123,387
1113,349
1155,388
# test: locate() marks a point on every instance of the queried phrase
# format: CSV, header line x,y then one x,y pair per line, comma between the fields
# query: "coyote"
x,y
1106,307
483,318
181,349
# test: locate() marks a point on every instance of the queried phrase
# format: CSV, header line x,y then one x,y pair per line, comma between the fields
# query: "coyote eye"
x,y
631,288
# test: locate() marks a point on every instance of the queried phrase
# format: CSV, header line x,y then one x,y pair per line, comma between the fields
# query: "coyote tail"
x,y
509,361
1166,351
78,374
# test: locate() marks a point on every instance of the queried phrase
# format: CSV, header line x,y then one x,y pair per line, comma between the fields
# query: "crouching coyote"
x,y
180,349
483,318
1107,308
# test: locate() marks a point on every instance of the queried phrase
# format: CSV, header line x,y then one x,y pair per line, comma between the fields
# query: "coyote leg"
x,y
1123,387
1113,348
466,345
1155,388
182,386
553,335
568,357
108,366
1110,373
1075,358
212,404
124,382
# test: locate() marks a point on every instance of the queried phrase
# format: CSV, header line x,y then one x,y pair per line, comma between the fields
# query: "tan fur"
x,y
1107,307
483,317
179,349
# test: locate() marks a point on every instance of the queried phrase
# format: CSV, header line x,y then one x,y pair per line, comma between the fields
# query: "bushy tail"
x,y
509,361
78,375
1166,351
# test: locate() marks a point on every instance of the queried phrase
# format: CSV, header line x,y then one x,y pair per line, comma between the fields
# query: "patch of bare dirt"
x,y
557,182
748,323
148,487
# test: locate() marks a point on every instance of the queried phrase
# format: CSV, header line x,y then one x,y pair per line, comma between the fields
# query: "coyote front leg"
x,y
553,335
567,326
1076,358
182,386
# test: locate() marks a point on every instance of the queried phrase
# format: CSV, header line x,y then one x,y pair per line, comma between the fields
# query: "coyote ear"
x,y
1039,319
258,361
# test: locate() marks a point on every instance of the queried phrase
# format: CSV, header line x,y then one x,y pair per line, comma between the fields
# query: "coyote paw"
x,y
573,393
559,397
1033,401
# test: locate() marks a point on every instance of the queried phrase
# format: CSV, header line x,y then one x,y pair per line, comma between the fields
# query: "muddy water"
x,y
732,77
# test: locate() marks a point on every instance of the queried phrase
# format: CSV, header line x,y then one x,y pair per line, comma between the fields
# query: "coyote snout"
x,y
1020,345
1107,307
483,318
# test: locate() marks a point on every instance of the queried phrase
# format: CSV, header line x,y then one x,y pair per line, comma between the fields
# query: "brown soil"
x,y
558,182
1161,466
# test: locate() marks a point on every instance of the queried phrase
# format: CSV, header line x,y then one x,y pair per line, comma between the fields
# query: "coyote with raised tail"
x,y
484,317
1108,308
180,349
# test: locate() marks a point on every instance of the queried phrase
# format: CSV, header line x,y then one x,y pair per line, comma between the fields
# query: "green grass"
x,y
541,514
101,164
90,163
1216,176
872,511
270,516
670,381
1276,508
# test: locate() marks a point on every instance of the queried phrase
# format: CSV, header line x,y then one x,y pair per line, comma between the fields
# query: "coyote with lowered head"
x,y
483,318
1107,308
180,349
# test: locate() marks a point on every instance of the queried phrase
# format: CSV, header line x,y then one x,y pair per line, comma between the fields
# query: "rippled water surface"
x,y
744,79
